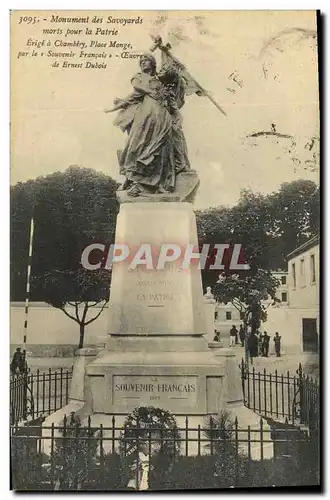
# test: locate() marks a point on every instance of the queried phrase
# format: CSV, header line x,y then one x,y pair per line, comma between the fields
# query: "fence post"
x,y
186,435
113,433
243,377
102,454
199,440
261,440
37,398
211,435
301,394
52,468
236,450
25,391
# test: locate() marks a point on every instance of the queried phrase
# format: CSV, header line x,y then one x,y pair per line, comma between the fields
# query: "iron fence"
x,y
282,396
36,394
106,458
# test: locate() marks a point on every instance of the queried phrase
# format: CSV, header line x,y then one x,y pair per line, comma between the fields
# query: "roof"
x,y
305,246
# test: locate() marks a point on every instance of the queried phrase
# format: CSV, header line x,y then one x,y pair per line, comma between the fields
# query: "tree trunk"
x,y
82,335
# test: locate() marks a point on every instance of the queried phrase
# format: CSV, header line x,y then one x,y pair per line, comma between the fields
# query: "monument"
x,y
157,352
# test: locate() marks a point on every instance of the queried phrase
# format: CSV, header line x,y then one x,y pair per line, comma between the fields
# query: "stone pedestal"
x,y
166,301
157,354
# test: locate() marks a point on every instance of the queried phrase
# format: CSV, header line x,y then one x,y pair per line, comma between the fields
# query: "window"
x,y
302,271
228,315
216,315
284,297
313,274
294,275
241,315
283,280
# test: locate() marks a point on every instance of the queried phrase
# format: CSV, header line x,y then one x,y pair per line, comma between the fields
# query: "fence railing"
x,y
282,396
36,394
90,457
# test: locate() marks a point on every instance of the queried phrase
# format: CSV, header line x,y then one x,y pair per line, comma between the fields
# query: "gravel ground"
x,y
43,364
287,362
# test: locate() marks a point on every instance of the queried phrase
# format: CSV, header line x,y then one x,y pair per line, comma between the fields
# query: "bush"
x,y
73,456
190,473
111,476
26,471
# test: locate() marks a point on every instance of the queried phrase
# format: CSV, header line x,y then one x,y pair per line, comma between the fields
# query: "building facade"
x,y
282,292
303,283
296,314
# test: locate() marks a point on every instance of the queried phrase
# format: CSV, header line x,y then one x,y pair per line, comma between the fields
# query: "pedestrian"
x,y
242,334
265,344
233,336
216,336
253,346
18,362
277,341
260,343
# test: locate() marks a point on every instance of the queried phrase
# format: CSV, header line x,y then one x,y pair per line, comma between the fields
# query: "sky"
x,y
58,119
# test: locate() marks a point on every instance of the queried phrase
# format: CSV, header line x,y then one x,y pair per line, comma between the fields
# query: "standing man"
x,y
253,346
233,335
266,340
241,334
260,343
216,336
18,362
277,341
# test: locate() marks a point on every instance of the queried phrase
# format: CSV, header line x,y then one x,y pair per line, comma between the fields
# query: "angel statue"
x,y
156,150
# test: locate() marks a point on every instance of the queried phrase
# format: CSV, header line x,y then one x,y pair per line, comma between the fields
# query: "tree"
x,y
75,288
294,216
268,227
247,293
71,210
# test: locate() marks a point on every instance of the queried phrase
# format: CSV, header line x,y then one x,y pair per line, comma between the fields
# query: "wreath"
x,y
155,428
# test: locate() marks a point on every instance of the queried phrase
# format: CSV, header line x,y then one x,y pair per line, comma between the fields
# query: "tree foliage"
x,y
268,227
71,210
247,294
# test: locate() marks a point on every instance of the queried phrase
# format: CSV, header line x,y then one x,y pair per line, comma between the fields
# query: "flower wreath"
x,y
155,427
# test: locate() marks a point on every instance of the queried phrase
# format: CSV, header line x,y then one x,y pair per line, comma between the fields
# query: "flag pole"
x,y
27,293
166,49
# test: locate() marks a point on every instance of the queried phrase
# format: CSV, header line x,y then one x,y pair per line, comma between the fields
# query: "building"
x,y
303,283
227,315
296,315
297,320
282,290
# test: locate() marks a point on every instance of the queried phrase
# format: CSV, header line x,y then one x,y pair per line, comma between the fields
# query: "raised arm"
x,y
140,86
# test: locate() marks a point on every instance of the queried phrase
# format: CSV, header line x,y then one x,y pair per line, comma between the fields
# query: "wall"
x,y
288,323
48,327
224,325
283,319
282,288
305,293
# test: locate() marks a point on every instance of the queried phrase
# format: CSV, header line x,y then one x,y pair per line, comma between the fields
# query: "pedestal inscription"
x,y
155,390
156,301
